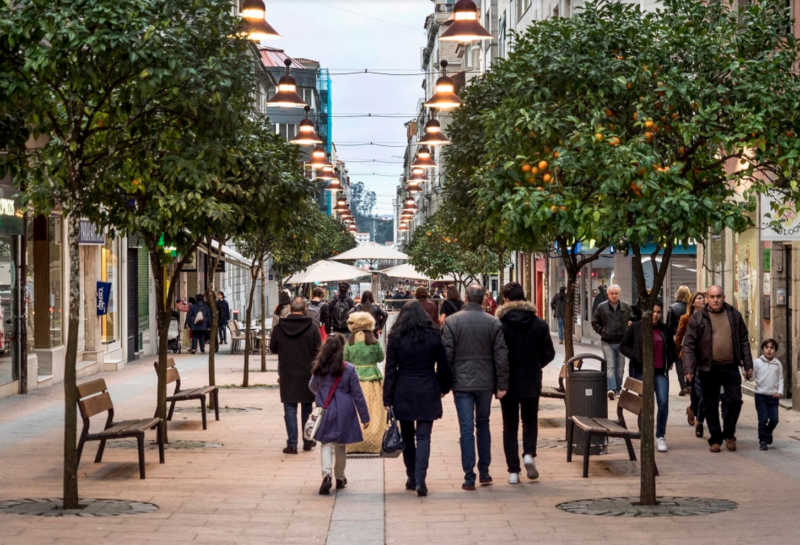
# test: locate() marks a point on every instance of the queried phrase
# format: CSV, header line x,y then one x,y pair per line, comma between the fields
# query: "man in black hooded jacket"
x,y
340,310
530,348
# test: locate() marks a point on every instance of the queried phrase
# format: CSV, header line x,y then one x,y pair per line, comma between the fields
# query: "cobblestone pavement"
x,y
235,485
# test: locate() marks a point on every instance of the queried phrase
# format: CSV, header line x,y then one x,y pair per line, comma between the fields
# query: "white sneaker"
x,y
513,478
661,444
530,466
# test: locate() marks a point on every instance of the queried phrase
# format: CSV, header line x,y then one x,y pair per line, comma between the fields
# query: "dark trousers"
x,y
290,420
512,408
696,399
681,376
767,409
199,337
729,378
223,333
417,451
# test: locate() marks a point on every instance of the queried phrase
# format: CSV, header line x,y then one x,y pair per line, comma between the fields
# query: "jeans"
x,y
560,329
223,333
199,337
290,419
474,410
729,378
327,460
767,409
662,399
529,408
615,362
696,398
417,451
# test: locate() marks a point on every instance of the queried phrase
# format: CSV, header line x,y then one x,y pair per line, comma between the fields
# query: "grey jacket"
x,y
476,350
610,323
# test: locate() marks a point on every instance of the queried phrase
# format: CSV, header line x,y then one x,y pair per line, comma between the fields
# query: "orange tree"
x,y
647,131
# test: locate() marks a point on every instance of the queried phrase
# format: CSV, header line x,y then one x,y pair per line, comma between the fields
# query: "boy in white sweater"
x,y
768,374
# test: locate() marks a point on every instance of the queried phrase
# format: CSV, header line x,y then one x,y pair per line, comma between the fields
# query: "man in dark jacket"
x,y
224,317
322,311
296,342
559,304
716,344
478,360
530,348
198,320
340,309
610,321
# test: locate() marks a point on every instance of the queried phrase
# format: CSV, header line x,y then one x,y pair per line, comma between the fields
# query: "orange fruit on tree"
x,y
546,178
613,141
609,112
648,124
526,167
517,184
555,155
648,135
540,188
531,134
535,171
554,209
629,86
530,179
636,116
563,207
790,134
542,166
598,137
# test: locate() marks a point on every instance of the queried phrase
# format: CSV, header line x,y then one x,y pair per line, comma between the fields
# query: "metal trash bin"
x,y
586,396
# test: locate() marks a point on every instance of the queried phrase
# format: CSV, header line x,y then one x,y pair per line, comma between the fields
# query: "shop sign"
x,y
90,234
10,212
103,297
789,228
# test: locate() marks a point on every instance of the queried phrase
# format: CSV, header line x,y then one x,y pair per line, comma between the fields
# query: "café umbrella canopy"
x,y
327,271
371,251
406,271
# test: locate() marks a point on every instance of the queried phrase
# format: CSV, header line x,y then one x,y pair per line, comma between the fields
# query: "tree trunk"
x,y
647,490
500,277
71,496
248,314
263,317
211,296
569,313
529,278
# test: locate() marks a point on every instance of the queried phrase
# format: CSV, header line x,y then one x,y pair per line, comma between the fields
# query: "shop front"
x,y
12,230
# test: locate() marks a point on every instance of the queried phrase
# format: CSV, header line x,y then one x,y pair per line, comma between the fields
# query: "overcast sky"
x,y
351,35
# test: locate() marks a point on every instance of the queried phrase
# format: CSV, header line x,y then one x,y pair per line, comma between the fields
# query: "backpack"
x,y
198,318
339,315
313,312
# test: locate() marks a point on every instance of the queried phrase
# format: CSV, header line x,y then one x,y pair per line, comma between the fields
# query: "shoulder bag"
x,y
315,418
392,444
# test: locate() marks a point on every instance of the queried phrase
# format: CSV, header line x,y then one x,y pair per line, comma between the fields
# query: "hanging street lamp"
x,y
433,134
341,205
335,185
410,205
255,27
445,97
306,134
319,159
328,172
423,159
403,227
465,27
413,187
418,178
287,96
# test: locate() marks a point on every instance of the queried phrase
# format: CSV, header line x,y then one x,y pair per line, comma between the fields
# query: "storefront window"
x,y
715,261
8,369
56,291
746,284
109,272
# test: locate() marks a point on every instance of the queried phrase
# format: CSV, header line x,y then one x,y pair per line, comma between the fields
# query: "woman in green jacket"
x,y
365,353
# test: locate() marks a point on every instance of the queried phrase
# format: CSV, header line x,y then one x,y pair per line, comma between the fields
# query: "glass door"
x,y
9,369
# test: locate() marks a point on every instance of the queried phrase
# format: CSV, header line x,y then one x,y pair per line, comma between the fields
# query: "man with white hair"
x,y
610,321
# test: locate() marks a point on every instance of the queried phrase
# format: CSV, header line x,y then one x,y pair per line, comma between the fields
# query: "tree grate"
x,y
668,506
51,507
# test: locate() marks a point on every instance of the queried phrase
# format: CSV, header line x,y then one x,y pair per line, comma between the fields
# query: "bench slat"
x,y
129,427
631,402
550,391
188,394
95,405
172,375
92,387
634,385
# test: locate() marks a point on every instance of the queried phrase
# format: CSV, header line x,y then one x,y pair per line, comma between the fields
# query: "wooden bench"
x,y
93,398
237,337
556,392
629,400
186,395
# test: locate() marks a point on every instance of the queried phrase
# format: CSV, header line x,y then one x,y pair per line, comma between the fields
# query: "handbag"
x,y
392,444
311,426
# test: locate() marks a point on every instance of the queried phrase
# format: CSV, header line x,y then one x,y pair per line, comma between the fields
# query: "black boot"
x,y
422,489
410,484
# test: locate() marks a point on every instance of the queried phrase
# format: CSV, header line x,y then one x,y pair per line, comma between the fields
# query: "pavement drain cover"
x,y
222,409
51,507
668,506
173,445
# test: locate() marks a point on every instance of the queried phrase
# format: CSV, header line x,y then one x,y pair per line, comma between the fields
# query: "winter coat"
x,y
697,341
559,304
611,323
417,374
378,314
431,309
768,376
631,346
681,333
530,348
450,307
476,350
674,314
340,422
279,314
340,309
205,323
224,312
297,342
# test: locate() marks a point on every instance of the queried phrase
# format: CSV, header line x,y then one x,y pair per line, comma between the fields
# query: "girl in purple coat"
x,y
339,426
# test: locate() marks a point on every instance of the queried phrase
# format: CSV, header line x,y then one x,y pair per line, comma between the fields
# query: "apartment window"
x,y
567,8
555,11
502,36
286,130
308,98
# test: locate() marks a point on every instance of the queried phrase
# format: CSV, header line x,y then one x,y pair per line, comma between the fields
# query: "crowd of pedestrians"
x,y
481,352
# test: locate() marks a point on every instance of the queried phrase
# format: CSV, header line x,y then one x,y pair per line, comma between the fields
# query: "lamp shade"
x,y
445,97
410,205
259,29
306,134
413,187
465,27
433,134
253,9
335,185
287,96
327,173
403,228
319,159
423,159
418,178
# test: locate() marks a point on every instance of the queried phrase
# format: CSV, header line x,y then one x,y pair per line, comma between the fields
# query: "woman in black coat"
x,y
417,377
